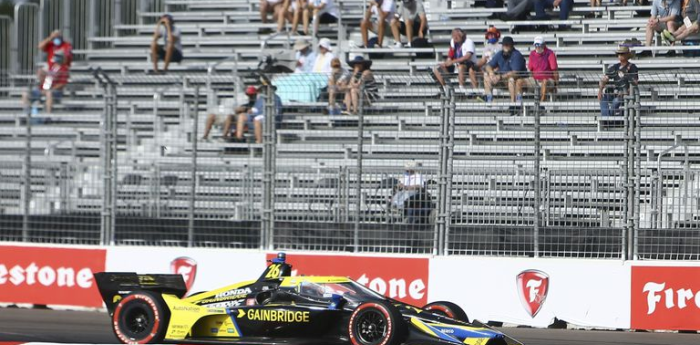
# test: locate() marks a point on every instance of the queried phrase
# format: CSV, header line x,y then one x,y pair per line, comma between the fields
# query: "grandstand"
x,y
557,182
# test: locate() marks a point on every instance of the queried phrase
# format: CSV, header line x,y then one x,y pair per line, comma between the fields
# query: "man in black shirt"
x,y
616,82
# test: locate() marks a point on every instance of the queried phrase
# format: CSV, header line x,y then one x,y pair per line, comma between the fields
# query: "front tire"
x,y
140,318
448,309
376,323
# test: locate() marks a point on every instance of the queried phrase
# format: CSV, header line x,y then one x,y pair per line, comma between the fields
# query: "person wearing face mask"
x,y
545,71
506,67
55,43
491,47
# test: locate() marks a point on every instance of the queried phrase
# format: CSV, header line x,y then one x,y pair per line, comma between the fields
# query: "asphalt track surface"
x,y
42,325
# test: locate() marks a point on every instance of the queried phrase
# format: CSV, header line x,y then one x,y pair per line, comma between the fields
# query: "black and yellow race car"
x,y
279,308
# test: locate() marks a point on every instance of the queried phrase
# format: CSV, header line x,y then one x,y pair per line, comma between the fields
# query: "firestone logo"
x,y
45,275
533,286
186,267
672,298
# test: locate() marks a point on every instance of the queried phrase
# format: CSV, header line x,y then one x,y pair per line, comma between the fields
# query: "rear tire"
x,y
448,309
141,318
376,323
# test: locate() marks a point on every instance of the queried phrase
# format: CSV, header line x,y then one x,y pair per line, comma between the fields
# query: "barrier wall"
x,y
589,293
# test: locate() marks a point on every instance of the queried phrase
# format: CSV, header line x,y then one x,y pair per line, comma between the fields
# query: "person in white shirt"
x,y
412,197
171,51
491,47
324,57
462,54
306,57
322,12
385,11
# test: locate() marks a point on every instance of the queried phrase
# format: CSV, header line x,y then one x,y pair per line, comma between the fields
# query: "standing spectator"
x,y
623,75
544,68
506,67
361,74
279,10
305,57
255,116
324,57
384,10
491,47
665,15
410,11
51,82
691,13
462,54
337,84
225,121
171,51
565,7
322,12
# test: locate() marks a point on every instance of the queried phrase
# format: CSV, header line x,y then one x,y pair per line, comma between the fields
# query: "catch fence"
x,y
417,168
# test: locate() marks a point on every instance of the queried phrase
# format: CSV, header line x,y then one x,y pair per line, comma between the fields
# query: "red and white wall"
x,y
589,293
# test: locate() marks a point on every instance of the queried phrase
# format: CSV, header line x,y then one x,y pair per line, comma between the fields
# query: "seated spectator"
x,y
225,121
322,12
361,74
616,83
518,9
171,51
691,13
544,68
384,11
506,67
462,54
51,83
491,47
324,57
53,44
255,116
337,84
411,196
665,15
565,7
410,11
306,57
279,10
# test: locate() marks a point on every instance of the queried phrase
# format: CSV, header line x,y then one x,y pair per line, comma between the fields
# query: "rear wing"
x,y
114,286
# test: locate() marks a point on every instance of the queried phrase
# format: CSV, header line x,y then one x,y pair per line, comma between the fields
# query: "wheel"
x,y
376,323
448,309
140,318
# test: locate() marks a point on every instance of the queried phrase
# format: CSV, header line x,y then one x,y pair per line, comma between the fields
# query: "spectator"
x,y
544,68
324,57
506,67
337,84
255,116
51,82
171,51
691,11
565,7
462,54
226,121
518,9
279,10
55,43
410,11
306,57
593,14
665,15
622,75
385,14
361,74
491,47
323,11
411,196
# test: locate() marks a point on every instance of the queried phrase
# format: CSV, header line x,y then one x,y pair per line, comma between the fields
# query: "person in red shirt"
x,y
51,83
54,43
544,68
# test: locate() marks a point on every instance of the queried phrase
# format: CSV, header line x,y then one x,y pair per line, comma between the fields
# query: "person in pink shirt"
x,y
544,68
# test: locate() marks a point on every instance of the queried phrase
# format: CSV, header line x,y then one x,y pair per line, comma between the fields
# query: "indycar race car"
x,y
279,308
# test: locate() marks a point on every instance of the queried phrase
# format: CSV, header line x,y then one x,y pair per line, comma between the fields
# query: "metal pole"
x,y
358,182
193,179
113,183
267,236
536,174
449,166
27,172
638,171
438,231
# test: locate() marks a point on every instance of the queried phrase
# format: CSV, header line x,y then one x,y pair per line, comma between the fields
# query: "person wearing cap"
x,y
305,57
491,47
324,57
462,54
691,18
226,121
541,6
409,12
411,195
322,12
544,68
385,11
506,67
171,51
665,15
361,74
51,83
255,116
616,82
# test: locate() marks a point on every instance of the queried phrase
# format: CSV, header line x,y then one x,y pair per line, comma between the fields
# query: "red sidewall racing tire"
x,y
140,318
394,330
448,309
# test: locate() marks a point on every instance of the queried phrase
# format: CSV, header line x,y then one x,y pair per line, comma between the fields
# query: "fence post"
x,y
269,139
109,158
193,182
447,113
629,157
27,172
638,170
358,182
536,174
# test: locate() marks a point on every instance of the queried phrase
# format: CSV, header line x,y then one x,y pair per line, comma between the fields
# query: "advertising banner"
x,y
665,298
